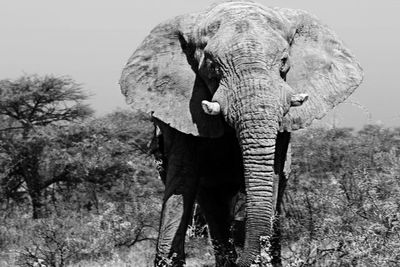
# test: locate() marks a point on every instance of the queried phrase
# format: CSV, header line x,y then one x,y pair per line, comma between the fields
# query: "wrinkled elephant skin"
x,y
226,86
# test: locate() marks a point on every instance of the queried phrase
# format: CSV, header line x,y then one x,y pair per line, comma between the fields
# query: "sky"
x,y
91,40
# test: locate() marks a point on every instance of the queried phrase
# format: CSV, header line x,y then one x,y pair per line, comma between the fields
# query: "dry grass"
x,y
199,254
140,255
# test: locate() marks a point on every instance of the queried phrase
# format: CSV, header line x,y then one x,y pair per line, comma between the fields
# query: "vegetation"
x,y
72,187
28,105
342,207
84,191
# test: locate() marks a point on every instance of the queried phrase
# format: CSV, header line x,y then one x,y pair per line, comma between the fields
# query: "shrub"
x,y
342,206
61,241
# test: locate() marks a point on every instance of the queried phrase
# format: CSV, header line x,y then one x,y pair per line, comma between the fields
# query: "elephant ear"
x,y
159,79
320,66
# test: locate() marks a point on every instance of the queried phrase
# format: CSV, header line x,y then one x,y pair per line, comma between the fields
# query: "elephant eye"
x,y
209,68
210,73
285,66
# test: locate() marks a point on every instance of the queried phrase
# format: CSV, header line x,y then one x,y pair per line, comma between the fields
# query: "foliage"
x,y
37,101
92,182
62,240
343,202
108,197
27,106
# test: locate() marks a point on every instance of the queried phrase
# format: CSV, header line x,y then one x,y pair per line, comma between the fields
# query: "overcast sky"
x,y
91,40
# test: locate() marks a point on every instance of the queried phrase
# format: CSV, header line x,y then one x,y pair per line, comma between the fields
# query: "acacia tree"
x,y
27,106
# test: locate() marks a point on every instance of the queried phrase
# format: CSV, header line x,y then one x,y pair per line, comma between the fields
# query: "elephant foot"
x,y
260,262
224,262
264,259
225,255
172,261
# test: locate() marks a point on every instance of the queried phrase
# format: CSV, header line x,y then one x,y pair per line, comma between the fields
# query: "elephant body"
x,y
202,169
209,171
226,86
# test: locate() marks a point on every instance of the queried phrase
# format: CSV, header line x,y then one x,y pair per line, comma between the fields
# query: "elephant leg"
x,y
217,208
180,191
176,214
282,170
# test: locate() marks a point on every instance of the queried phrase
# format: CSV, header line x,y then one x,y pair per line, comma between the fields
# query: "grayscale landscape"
x,y
199,133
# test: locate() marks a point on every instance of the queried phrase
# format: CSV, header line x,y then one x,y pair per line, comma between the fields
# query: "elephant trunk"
x,y
257,131
257,143
253,100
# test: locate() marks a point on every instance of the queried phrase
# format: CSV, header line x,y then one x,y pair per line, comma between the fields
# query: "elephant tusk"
x,y
211,108
298,100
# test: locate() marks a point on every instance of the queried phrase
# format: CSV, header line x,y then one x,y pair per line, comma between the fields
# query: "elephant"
x,y
225,88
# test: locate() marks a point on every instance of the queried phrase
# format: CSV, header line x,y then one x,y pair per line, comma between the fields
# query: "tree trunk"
x,y
38,203
29,170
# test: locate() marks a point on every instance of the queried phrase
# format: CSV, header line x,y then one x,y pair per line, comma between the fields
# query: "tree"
x,y
106,157
27,106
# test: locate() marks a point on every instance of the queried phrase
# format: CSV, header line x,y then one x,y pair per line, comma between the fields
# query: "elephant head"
x,y
242,64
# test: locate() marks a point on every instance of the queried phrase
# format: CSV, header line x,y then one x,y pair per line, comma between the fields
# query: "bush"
x,y
342,206
61,241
